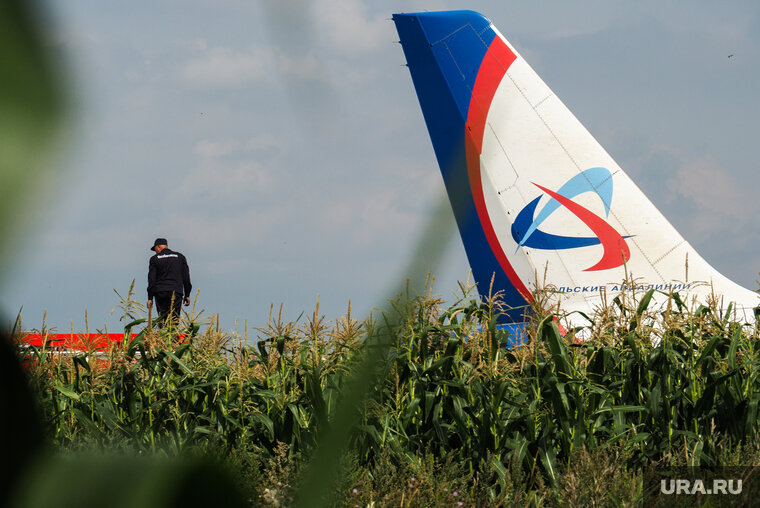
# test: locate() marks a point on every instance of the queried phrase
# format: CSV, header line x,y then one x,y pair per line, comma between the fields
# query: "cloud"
x,y
246,228
209,149
564,32
221,67
301,66
75,39
670,176
225,68
228,171
400,196
712,189
348,26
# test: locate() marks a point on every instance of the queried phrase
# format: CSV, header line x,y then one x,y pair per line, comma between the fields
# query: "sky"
x,y
280,146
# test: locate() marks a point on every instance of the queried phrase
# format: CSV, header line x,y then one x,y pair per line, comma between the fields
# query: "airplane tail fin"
x,y
532,191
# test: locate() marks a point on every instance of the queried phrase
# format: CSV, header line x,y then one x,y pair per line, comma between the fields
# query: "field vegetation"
x,y
447,414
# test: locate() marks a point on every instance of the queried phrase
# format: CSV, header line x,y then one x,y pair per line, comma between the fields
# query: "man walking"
x,y
168,280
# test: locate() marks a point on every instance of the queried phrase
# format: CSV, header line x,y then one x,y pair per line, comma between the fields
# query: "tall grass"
x,y
653,387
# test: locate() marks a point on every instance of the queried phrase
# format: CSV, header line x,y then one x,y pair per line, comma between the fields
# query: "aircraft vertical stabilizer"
x,y
532,191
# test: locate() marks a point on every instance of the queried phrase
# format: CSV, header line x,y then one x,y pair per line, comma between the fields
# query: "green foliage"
x,y
673,387
31,106
93,480
421,407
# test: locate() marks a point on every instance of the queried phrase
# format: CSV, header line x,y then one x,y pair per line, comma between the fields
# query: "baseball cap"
x,y
159,241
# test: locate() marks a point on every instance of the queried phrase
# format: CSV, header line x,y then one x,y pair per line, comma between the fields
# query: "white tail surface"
x,y
551,203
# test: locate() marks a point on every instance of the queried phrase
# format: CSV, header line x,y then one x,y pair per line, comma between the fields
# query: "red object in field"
x,y
75,341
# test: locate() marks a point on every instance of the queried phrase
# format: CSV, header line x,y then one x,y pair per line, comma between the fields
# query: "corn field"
x,y
675,386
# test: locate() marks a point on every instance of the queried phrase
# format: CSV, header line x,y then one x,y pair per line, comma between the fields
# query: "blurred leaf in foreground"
x,y
30,107
333,443
123,481
31,103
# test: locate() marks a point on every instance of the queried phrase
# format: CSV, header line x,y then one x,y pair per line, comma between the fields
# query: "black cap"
x,y
159,241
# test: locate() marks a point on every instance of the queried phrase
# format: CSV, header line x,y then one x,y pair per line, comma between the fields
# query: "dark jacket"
x,y
168,271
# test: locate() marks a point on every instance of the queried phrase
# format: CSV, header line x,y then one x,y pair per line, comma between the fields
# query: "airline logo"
x,y
526,232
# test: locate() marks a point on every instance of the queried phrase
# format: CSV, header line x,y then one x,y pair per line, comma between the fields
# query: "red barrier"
x,y
76,341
